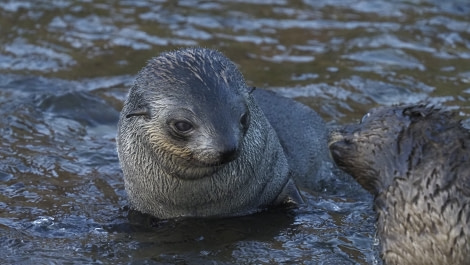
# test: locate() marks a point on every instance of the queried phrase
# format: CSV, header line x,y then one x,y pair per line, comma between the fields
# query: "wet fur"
x,y
416,161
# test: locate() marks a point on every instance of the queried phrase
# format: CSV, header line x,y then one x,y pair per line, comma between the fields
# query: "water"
x,y
65,67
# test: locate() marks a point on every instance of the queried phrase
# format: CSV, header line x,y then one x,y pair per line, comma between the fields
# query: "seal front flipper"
x,y
289,196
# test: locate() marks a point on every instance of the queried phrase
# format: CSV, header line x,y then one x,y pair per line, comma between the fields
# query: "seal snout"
x,y
229,154
217,151
226,149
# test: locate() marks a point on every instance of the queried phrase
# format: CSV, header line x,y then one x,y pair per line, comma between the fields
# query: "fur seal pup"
x,y
193,142
416,161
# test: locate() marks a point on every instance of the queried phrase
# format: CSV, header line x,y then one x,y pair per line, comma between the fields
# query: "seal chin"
x,y
196,173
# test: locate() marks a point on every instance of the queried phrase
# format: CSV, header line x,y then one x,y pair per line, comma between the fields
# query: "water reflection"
x,y
65,67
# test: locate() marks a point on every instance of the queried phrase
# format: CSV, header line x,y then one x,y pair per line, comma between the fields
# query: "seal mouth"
x,y
193,168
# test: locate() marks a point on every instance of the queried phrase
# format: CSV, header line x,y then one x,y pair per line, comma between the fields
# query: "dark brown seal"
x,y
416,161
192,140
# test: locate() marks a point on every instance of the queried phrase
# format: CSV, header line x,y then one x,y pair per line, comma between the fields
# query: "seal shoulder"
x,y
303,135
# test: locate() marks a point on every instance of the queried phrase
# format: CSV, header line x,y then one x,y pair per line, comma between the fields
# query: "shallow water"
x,y
65,67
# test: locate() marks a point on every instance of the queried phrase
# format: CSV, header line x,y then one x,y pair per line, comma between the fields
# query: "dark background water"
x,y
66,66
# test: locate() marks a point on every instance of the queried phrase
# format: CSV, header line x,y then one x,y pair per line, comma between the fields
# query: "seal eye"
x,y
245,120
364,118
182,127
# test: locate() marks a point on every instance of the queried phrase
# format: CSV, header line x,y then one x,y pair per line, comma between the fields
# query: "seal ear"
x,y
142,111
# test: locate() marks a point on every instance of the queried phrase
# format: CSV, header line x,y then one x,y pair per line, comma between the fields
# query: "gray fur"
x,y
171,178
416,161
304,138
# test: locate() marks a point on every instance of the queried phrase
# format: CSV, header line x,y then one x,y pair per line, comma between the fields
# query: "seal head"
x,y
416,161
194,119
192,141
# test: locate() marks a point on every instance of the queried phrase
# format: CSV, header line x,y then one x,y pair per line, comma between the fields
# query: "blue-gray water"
x,y
65,67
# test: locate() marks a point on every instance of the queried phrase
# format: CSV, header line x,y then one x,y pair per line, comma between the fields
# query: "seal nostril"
x,y
228,155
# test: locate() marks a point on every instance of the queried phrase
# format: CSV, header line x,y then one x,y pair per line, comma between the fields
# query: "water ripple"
x,y
65,70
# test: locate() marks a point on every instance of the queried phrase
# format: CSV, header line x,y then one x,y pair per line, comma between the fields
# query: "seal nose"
x,y
228,155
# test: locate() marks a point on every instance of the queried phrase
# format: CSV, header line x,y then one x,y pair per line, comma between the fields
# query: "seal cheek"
x,y
164,144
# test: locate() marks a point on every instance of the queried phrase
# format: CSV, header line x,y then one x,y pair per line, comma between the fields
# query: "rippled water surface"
x,y
65,67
